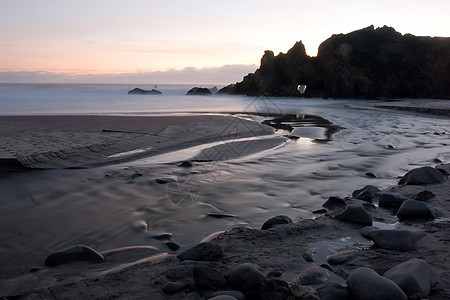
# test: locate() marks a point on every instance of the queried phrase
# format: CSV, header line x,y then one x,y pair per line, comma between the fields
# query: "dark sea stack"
x,y
138,91
199,91
366,63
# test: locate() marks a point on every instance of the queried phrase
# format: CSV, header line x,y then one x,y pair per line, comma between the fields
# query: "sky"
x,y
183,41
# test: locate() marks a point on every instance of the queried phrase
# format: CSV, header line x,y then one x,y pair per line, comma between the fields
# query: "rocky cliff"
x,y
366,63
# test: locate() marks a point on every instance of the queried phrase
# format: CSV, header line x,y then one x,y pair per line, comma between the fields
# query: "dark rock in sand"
x,y
278,220
424,195
277,272
366,284
334,203
220,215
171,287
312,276
308,256
138,91
163,236
423,175
371,175
395,239
367,193
186,164
365,231
246,277
412,276
76,253
413,209
172,245
333,291
391,200
165,180
355,213
199,91
236,294
339,258
207,278
272,289
302,293
204,251
320,211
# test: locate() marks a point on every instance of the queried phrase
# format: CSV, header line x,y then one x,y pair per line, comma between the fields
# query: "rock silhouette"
x,y
366,63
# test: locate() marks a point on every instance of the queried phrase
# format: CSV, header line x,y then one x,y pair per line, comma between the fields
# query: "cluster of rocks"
x,y
366,63
217,270
139,91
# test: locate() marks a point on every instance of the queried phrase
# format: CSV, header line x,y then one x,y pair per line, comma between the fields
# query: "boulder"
x,y
199,91
75,253
138,91
204,251
171,287
333,291
340,257
272,289
423,175
276,221
413,209
367,193
246,277
424,195
235,294
312,276
395,239
391,200
365,231
355,213
302,293
412,276
334,203
366,284
207,278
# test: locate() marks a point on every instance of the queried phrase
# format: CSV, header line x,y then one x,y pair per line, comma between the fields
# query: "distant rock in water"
x,y
138,91
199,91
366,63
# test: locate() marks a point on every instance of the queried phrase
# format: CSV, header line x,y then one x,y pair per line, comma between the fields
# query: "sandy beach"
x,y
87,167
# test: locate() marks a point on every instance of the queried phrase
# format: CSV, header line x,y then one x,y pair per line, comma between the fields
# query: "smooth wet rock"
x,y
273,289
339,258
140,225
371,175
320,211
412,276
334,203
365,231
355,213
424,195
312,276
276,272
163,236
172,245
423,175
413,209
367,193
302,293
395,239
391,200
246,277
366,284
236,294
76,253
278,220
171,287
223,297
308,256
333,291
204,251
207,278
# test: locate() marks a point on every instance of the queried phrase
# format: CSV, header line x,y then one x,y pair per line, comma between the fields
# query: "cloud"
x,y
210,75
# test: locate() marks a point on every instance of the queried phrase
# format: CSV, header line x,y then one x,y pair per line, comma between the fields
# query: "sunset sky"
x,y
82,37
